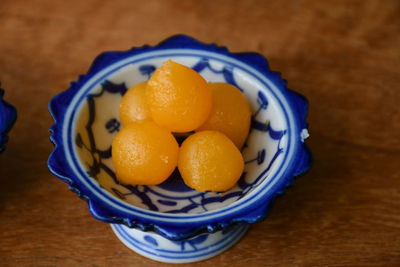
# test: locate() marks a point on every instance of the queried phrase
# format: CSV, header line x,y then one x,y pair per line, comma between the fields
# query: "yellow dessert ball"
x,y
133,105
178,97
144,153
230,114
210,161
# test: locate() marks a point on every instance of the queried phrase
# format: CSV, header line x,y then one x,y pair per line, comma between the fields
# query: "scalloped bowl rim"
x,y
262,194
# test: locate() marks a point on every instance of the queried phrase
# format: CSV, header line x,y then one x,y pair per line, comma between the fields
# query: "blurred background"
x,y
344,56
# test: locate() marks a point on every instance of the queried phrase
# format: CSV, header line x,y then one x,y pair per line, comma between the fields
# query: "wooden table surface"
x,y
343,55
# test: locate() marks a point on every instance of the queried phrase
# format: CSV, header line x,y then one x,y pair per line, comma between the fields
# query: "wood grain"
x,y
343,55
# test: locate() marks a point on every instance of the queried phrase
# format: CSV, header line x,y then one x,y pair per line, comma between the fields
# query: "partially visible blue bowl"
x,y
8,115
171,222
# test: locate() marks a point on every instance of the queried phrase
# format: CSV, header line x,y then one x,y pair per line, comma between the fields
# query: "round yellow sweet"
x,y
133,105
210,161
230,114
144,153
178,97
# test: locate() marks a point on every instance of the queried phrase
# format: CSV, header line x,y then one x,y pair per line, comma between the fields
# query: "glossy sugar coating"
x,y
133,105
144,153
210,161
230,114
178,97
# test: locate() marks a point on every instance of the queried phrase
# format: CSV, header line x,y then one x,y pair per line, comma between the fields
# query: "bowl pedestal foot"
x,y
198,248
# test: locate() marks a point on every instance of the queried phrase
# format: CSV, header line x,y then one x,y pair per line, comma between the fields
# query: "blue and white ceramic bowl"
x,y
8,115
171,222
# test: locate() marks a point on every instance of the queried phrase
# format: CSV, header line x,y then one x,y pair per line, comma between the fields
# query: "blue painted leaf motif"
x,y
262,100
147,70
227,71
93,170
201,65
220,198
113,125
276,135
79,141
260,126
242,181
105,154
192,242
167,202
118,193
274,157
151,240
266,127
197,240
262,103
175,183
185,209
260,156
228,75
143,196
113,88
